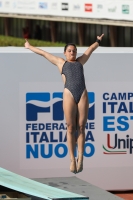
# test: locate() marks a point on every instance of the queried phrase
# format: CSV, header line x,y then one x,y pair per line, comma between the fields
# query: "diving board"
x,y
21,184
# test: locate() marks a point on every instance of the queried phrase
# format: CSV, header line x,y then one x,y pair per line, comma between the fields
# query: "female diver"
x,y
75,98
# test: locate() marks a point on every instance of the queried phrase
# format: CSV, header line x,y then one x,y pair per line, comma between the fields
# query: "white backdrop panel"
x,y
28,82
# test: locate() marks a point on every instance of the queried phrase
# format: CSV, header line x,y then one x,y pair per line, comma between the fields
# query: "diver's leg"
x,y
82,119
70,111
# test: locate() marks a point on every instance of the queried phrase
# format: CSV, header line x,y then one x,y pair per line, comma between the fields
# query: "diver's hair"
x,y
69,44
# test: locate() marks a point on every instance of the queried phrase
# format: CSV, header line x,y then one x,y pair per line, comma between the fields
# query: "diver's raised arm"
x,y
83,59
53,59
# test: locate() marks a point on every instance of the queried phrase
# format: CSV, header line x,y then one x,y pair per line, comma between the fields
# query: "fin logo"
x,y
43,103
40,103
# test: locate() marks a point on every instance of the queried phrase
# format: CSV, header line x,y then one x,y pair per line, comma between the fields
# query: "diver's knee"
x,y
81,129
71,128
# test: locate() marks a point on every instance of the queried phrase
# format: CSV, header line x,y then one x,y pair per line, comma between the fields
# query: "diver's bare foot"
x,y
80,162
73,166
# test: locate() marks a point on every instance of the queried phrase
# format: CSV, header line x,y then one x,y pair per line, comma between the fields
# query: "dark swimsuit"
x,y
75,81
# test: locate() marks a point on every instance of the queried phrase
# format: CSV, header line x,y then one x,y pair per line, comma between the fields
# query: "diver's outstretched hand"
x,y
27,44
100,37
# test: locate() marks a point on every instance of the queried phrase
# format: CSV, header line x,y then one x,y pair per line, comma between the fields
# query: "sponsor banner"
x,y
43,128
104,9
117,116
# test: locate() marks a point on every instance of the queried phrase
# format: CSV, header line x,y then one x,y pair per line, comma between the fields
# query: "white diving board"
x,y
21,184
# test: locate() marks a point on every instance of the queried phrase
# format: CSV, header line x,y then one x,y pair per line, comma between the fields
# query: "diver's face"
x,y
70,53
